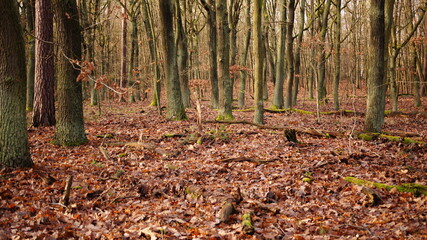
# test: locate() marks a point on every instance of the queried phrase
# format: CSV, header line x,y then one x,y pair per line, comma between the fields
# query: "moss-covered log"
x,y
390,138
416,189
247,227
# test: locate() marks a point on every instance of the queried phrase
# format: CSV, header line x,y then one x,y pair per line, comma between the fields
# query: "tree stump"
x,y
291,135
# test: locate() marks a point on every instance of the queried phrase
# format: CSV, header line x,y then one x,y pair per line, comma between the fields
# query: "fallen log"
x,y
247,226
416,189
313,132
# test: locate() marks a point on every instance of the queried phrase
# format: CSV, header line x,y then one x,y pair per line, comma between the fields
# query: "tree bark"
x,y
44,89
151,36
183,68
213,66
337,56
298,73
31,61
223,58
321,69
69,129
375,105
175,107
289,54
244,56
280,61
14,148
259,60
123,65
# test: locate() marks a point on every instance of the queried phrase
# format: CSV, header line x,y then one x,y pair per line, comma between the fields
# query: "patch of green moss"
x,y
368,136
225,117
120,155
390,138
416,189
302,111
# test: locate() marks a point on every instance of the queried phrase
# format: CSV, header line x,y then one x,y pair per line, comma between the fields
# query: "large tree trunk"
x,y
259,60
289,55
223,58
175,107
337,58
31,61
69,129
44,89
244,56
14,149
280,61
374,118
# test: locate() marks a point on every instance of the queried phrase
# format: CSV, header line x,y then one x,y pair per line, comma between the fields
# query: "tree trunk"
x,y
244,56
258,68
69,129
223,58
298,73
44,89
280,61
183,68
321,67
123,66
337,59
213,66
374,118
31,61
151,36
175,107
289,54
14,149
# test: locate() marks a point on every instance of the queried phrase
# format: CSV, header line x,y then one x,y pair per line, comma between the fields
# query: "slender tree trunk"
x,y
375,105
280,61
423,90
244,56
223,58
213,65
183,68
175,107
289,54
337,59
151,36
14,148
31,61
321,84
123,66
298,73
44,89
259,59
133,63
69,129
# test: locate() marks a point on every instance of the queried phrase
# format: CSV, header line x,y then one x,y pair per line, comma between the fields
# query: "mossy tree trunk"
x,y
259,63
375,105
14,149
223,61
69,129
175,107
44,90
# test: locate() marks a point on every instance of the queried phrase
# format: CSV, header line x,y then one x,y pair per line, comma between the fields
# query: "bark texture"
x,y
375,105
175,107
44,87
14,149
70,125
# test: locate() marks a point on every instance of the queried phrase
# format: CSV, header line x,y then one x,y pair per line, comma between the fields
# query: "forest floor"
x,y
143,177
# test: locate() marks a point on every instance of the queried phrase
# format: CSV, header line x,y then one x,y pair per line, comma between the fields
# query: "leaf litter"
x,y
143,177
